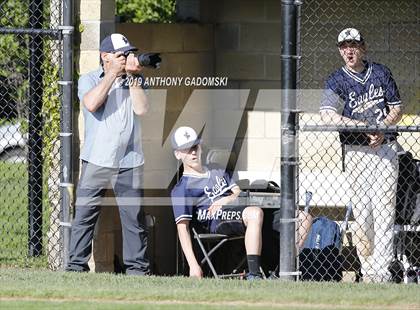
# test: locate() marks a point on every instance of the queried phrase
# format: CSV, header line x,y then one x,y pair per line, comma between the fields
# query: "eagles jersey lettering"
x,y
366,96
194,194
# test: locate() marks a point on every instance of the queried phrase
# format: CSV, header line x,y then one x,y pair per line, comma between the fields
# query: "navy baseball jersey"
x,y
364,96
193,195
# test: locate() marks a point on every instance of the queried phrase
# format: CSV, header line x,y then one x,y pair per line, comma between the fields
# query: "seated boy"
x,y
210,197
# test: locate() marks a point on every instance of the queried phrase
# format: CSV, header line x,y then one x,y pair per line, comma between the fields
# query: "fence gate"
x,y
384,225
30,100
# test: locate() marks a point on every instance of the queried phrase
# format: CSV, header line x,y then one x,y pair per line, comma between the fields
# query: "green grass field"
x,y
14,217
42,289
13,211
35,289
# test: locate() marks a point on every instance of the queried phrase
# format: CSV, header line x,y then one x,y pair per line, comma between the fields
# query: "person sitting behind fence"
x,y
211,197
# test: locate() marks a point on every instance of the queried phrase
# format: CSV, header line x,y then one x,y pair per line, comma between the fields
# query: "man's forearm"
x,y
227,199
96,97
139,100
393,117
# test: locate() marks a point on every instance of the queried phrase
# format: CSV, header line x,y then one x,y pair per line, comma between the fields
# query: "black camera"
x,y
149,60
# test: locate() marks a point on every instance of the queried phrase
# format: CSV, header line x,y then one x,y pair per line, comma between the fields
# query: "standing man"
x,y
209,197
113,101
365,93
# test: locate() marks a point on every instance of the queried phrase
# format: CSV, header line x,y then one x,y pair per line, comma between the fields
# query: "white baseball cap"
x,y
184,138
350,34
116,42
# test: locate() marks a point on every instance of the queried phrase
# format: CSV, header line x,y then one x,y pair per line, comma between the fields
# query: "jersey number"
x,y
381,114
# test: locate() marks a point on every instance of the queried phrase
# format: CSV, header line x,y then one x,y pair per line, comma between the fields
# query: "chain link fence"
x,y
377,187
30,57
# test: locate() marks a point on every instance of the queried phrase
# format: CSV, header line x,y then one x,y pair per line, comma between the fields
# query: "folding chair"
x,y
214,242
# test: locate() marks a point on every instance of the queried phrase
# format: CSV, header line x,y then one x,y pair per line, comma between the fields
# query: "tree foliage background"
x,y
146,11
13,67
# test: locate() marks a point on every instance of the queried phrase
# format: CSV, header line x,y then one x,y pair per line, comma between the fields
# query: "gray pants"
x,y
127,186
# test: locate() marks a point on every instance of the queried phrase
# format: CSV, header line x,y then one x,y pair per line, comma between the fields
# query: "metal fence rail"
x,y
382,239
30,99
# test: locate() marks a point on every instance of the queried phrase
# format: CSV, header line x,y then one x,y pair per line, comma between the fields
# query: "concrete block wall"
x,y
186,51
250,32
97,19
248,49
391,32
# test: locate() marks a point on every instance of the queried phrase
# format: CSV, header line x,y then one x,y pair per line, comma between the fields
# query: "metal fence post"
x,y
66,133
288,140
35,132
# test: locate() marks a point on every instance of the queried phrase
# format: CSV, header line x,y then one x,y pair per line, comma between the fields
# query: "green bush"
x,y
146,11
13,51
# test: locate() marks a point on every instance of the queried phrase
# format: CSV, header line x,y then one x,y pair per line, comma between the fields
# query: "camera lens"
x,y
150,60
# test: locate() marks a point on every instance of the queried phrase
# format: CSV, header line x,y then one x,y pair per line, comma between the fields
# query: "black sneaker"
x,y
411,275
396,269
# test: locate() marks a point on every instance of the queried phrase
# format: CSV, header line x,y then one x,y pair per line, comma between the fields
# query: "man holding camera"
x,y
113,99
